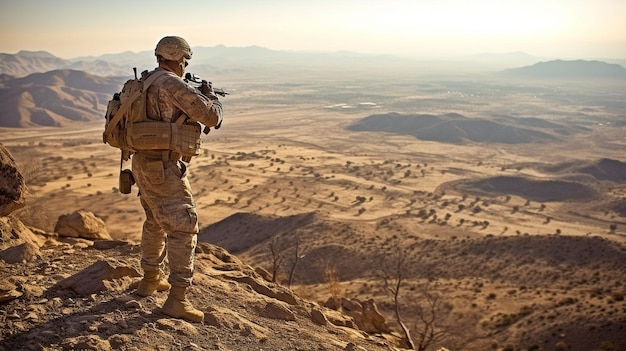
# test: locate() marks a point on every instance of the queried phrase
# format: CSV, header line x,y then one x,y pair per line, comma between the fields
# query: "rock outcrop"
x,y
100,276
81,296
13,233
12,186
81,224
365,314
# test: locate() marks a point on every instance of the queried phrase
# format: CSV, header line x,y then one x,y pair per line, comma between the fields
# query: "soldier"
x,y
171,224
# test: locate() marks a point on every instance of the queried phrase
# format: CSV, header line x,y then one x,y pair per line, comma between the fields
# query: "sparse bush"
x,y
606,346
561,346
332,281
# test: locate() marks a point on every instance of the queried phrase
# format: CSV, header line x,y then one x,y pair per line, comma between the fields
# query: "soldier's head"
x,y
172,53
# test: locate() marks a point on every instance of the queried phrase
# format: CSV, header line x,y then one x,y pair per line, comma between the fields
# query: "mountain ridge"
x,y
569,69
26,62
222,57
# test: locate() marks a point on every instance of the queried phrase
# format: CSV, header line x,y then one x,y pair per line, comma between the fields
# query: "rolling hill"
x,y
539,190
55,98
457,129
517,268
604,169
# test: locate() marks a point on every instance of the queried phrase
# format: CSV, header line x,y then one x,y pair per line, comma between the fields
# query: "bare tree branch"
x,y
428,312
298,255
277,257
393,282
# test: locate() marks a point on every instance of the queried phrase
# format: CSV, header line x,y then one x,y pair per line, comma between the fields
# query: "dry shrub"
x,y
331,279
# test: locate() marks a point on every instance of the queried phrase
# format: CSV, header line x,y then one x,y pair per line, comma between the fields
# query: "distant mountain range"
x,y
222,59
26,62
579,69
205,59
38,88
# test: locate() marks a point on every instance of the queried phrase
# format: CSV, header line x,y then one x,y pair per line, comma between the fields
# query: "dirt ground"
x,y
371,190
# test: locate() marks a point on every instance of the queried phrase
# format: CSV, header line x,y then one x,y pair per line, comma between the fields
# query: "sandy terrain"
x,y
384,192
290,161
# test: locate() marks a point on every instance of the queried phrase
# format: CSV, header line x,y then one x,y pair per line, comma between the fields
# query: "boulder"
x,y
365,314
276,310
12,186
8,290
373,317
21,253
100,276
318,317
81,224
86,342
13,233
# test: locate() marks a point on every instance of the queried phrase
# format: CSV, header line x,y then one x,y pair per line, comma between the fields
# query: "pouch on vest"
x,y
186,138
153,135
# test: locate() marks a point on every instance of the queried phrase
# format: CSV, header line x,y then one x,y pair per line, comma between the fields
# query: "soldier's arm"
x,y
198,107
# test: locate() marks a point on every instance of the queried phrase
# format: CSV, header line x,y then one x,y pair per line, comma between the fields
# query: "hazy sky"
x,y
433,28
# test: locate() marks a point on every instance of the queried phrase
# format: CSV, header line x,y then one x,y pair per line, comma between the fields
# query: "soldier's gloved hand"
x,y
206,88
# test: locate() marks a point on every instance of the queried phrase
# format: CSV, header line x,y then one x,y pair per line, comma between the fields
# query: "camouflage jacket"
x,y
170,97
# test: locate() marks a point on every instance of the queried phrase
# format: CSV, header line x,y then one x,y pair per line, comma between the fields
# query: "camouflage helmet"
x,y
173,48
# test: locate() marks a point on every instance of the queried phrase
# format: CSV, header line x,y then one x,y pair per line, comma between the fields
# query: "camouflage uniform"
x,y
171,224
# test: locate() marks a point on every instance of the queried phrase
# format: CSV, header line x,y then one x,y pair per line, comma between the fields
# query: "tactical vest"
x,y
128,128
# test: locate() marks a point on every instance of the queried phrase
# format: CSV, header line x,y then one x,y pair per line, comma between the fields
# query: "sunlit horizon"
x,y
425,29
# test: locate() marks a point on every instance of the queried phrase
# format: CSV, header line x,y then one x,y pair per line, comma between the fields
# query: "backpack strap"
x,y
126,105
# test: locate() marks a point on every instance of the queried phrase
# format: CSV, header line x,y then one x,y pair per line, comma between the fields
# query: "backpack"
x,y
128,128
127,108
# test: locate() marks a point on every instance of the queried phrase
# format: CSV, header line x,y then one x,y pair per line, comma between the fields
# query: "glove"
x,y
206,88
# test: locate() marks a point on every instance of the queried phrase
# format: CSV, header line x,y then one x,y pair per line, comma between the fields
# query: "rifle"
x,y
201,84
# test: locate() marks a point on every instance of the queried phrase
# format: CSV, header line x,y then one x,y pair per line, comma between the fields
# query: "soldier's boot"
x,y
151,283
178,306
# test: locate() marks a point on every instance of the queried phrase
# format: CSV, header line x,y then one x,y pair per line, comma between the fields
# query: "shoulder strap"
x,y
152,77
118,115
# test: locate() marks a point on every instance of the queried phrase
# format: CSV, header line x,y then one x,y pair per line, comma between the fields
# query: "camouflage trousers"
x,y
171,226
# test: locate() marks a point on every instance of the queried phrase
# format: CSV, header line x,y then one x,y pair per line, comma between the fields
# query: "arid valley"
x,y
497,204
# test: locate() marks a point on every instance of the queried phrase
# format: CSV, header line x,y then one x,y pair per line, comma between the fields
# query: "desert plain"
x,y
508,244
